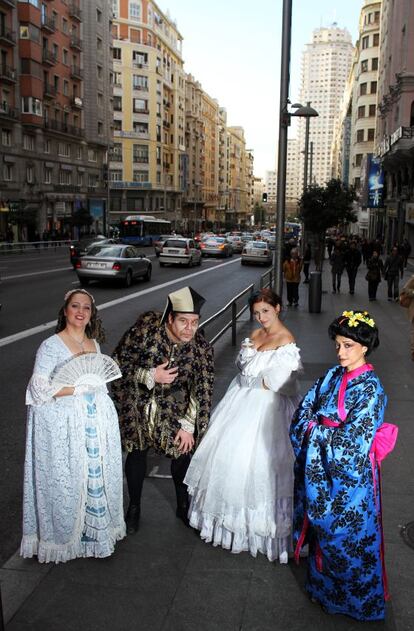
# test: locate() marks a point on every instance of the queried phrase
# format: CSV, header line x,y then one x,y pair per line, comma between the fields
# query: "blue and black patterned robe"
x,y
337,494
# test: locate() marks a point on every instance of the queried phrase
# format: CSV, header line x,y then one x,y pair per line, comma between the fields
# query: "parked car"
x,y
81,247
256,252
113,262
180,251
216,246
160,242
236,242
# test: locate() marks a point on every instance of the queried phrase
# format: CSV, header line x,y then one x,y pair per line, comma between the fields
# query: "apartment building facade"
x,y
147,162
51,172
395,122
238,212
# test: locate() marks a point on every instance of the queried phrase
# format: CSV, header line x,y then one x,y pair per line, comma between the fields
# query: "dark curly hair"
x,y
363,333
94,329
265,295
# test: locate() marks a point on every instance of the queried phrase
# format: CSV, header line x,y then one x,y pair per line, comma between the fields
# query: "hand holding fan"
x,y
90,369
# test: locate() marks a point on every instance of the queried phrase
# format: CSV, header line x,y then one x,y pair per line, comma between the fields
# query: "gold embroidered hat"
x,y
184,300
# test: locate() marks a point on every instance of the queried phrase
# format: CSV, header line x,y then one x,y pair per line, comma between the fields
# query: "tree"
x,y
323,207
259,215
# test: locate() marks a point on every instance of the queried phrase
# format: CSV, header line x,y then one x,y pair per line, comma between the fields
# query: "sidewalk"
x,y
165,578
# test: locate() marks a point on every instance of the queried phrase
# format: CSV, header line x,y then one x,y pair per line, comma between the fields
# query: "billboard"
x,y
375,182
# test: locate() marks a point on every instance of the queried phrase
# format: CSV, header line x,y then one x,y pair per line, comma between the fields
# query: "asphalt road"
x,y
32,290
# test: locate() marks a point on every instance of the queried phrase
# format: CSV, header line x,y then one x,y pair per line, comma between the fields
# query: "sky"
x,y
232,47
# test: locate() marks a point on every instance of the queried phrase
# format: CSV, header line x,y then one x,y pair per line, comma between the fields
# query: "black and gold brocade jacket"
x,y
151,417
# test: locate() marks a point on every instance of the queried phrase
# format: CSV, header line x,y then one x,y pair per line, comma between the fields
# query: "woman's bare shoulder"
x,y
256,333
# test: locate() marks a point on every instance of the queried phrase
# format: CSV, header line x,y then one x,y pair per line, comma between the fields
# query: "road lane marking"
x,y
16,337
47,271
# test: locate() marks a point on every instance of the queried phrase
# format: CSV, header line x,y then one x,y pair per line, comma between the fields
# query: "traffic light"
x,y
264,197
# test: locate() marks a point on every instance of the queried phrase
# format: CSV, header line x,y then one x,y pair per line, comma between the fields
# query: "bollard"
x,y
315,292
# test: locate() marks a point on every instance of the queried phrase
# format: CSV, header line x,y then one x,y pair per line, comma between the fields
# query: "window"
x,y
371,134
92,155
374,63
139,82
100,99
28,142
365,42
116,54
65,177
64,149
100,128
30,105
358,159
140,105
376,39
99,72
118,103
65,25
363,89
361,111
46,146
78,152
98,43
140,128
24,32
118,79
115,175
30,174
47,175
6,137
65,57
135,11
117,125
364,65
8,172
141,176
98,16
79,178
65,87
140,154
373,87
372,109
115,8
92,180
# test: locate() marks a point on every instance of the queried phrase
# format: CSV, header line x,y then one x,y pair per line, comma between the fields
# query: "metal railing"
x,y
20,247
264,281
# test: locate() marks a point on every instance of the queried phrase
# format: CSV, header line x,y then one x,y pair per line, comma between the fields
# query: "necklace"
x,y
77,341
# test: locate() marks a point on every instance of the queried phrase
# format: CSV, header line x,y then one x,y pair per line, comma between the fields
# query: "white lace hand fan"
x,y
92,369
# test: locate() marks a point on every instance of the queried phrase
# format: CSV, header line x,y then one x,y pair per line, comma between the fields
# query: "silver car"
x,y
160,242
113,262
236,242
256,252
180,251
216,246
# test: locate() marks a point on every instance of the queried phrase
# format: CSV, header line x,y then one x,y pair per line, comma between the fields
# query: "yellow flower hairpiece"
x,y
354,318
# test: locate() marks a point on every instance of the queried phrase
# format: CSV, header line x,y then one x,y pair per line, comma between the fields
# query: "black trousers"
x,y
352,272
135,470
372,289
292,290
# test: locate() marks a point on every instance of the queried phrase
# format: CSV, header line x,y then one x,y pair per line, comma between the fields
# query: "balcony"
x,y
63,128
8,112
76,73
7,74
77,103
140,64
140,157
75,42
75,12
115,157
48,24
7,37
49,91
48,57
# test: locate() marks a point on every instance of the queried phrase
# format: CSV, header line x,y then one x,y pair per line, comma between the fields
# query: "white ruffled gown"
x,y
241,477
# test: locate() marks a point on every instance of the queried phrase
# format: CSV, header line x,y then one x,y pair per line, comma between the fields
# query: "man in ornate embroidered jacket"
x,y
164,395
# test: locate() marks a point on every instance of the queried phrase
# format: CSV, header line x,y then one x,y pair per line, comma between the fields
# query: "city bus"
x,y
143,229
292,230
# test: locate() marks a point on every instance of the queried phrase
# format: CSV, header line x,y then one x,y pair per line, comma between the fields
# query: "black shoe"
x,y
132,518
352,291
334,291
182,513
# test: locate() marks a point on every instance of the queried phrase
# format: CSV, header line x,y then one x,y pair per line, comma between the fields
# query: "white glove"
x,y
84,388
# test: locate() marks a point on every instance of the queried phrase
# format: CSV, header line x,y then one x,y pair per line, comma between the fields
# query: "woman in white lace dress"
x,y
72,500
241,477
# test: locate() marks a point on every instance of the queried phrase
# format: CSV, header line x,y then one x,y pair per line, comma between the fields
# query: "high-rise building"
x,y
326,62
395,123
238,211
147,166
293,191
271,186
54,135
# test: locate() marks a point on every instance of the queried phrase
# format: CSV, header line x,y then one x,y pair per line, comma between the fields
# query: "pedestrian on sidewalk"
x,y
307,257
337,267
339,439
241,476
352,262
72,495
394,266
406,251
375,268
408,291
164,396
291,270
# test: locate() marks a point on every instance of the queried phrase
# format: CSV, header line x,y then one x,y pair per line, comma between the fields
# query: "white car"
x,y
256,252
180,251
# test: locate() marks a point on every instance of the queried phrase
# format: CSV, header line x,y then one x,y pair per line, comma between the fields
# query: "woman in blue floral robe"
x,y
339,439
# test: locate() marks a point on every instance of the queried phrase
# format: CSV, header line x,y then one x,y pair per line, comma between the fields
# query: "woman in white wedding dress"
x,y
241,477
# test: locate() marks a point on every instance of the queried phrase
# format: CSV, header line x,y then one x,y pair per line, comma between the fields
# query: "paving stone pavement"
x,y
165,578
